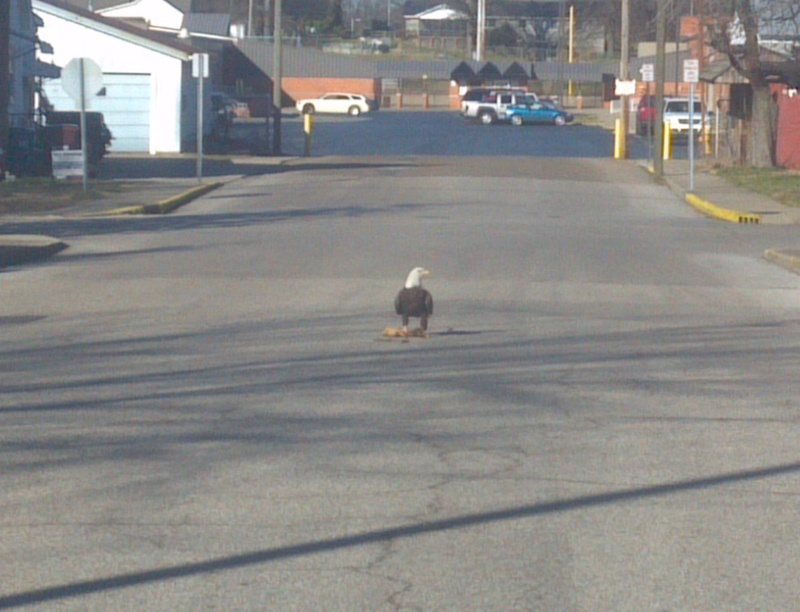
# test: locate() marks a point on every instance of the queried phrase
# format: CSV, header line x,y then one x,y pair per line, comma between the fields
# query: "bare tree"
x,y
736,28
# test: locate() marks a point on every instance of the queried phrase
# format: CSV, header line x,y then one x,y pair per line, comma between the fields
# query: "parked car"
x,y
351,104
538,112
489,105
676,115
555,106
646,114
98,136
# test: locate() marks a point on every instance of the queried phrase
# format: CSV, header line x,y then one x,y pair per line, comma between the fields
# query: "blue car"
x,y
538,112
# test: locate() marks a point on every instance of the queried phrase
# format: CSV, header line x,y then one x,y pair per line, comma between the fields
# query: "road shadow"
x,y
465,521
122,167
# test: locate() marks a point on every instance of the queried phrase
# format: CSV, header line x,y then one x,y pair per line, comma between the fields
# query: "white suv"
x,y
490,105
676,115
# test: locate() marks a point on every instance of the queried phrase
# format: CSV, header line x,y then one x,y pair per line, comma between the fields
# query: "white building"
x,y
148,97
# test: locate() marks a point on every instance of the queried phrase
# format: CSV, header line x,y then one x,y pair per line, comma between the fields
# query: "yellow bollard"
x,y
617,139
667,151
308,128
707,138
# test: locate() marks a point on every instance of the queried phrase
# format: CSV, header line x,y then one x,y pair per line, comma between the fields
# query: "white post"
x,y
84,137
691,137
200,128
200,71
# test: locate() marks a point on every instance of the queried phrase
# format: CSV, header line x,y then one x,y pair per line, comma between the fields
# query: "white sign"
x,y
71,79
200,65
624,88
648,73
691,71
67,163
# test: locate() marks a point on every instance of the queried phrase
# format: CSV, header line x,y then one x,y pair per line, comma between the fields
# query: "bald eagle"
x,y
413,300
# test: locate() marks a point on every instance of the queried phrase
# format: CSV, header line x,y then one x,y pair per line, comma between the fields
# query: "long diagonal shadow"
x,y
370,537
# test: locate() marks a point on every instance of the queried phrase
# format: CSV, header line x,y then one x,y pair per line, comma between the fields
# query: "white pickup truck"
x,y
489,105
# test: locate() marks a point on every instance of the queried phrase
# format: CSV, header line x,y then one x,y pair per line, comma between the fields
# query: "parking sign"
x,y
691,71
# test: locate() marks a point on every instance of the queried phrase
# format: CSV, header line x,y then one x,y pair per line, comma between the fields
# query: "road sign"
x,y
67,164
691,71
648,72
624,88
71,79
200,65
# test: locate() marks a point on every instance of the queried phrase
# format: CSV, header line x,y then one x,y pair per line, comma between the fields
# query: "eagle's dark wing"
x,y
428,303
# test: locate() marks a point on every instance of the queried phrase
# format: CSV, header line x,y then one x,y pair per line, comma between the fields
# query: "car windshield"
x,y
682,106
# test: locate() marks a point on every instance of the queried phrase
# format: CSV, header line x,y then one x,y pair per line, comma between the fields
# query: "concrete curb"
x,y
166,206
20,249
786,259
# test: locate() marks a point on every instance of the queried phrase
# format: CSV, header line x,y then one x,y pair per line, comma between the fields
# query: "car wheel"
x,y
354,111
486,117
516,120
308,109
560,120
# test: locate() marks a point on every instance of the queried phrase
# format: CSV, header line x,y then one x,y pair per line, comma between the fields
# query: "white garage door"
x,y
125,104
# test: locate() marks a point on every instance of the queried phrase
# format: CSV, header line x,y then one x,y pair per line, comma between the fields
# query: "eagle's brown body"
x,y
413,301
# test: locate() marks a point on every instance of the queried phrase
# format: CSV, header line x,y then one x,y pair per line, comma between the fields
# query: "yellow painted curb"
x,y
723,214
787,259
127,210
165,206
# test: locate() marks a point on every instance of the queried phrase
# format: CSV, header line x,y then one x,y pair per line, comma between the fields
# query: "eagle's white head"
x,y
414,278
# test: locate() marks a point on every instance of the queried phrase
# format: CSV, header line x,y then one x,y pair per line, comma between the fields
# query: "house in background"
x,y
148,96
440,27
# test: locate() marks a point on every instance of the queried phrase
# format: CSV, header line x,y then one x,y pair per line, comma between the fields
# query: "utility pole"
x,y
623,76
277,77
267,18
661,73
480,44
5,54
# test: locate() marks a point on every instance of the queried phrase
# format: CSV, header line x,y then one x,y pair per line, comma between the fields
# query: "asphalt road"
x,y
199,411
446,133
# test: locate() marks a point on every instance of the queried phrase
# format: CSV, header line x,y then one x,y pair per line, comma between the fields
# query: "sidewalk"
x,y
715,197
132,185
712,195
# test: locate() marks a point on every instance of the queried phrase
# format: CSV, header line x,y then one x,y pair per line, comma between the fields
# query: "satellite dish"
x,y
71,79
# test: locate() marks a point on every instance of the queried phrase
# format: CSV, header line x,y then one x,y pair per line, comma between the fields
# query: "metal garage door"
x,y
125,104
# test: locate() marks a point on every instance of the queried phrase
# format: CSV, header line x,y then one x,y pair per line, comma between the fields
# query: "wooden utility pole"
x,y
277,76
623,76
480,33
661,73
5,80
267,19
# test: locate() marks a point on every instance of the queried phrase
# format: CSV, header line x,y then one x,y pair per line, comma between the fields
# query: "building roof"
x,y
215,25
441,12
167,43
183,6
